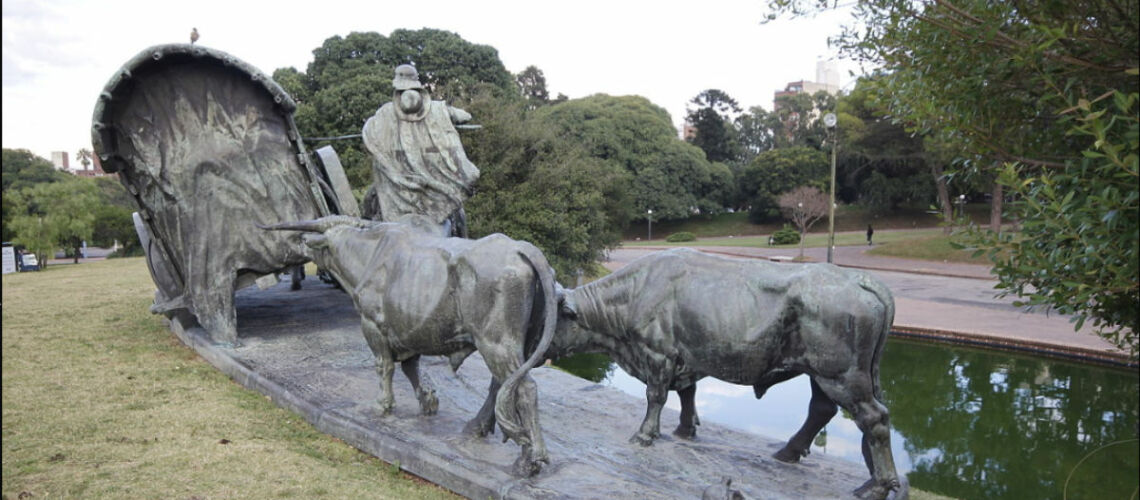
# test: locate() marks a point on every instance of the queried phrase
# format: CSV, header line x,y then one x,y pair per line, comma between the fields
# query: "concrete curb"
x,y
1064,352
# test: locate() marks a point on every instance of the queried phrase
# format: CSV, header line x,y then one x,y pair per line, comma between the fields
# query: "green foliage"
x,y
681,237
777,171
541,187
786,235
112,192
532,86
23,169
55,215
667,175
880,164
351,77
113,223
1077,248
1048,90
713,130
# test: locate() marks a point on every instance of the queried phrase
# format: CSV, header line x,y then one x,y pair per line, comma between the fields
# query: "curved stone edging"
x,y
1069,353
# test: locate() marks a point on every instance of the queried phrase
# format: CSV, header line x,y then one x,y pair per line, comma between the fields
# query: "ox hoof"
x,y
429,404
788,455
685,432
528,467
641,439
385,407
872,490
479,428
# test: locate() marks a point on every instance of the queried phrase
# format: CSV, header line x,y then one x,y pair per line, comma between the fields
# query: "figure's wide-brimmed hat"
x,y
406,78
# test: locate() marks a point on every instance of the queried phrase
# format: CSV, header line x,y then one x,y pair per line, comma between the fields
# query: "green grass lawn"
x,y
909,234
100,400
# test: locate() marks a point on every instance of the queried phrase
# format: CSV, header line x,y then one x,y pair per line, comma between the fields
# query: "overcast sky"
x,y
58,54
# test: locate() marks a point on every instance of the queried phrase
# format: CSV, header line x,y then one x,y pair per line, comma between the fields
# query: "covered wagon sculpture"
x,y
207,146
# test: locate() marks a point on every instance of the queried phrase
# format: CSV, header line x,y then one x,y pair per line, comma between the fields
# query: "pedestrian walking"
x,y
870,232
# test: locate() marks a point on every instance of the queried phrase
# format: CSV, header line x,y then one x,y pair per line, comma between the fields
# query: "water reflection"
x,y
965,423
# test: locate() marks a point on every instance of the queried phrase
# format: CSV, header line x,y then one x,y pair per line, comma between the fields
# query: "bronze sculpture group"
x,y
228,195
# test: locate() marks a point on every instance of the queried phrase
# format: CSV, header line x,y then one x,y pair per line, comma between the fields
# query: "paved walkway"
x,y
944,301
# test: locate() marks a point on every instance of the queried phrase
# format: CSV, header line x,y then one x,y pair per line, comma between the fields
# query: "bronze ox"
x,y
420,293
673,317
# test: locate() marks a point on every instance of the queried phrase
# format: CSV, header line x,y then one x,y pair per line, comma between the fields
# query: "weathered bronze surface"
x,y
207,146
419,166
421,293
673,317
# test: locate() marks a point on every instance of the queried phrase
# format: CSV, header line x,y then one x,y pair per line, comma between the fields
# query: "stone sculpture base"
x,y
304,349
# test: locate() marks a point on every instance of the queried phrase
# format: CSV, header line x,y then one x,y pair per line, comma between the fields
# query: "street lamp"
x,y
649,217
831,121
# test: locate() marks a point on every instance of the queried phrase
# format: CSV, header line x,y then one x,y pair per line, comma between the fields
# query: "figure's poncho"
x,y
418,166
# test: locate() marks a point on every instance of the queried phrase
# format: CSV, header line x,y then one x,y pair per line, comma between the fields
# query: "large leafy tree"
x,y
539,186
532,86
22,169
1045,94
710,115
667,175
881,165
777,171
351,77
55,215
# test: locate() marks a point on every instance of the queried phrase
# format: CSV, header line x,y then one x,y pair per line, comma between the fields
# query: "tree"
x,y
1045,94
113,224
667,175
55,215
540,186
84,157
777,171
22,169
804,205
713,130
532,85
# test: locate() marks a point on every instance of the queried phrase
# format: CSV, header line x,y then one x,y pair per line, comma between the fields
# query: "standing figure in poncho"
x,y
418,163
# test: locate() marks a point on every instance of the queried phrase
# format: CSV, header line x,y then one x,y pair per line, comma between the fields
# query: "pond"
x,y
966,423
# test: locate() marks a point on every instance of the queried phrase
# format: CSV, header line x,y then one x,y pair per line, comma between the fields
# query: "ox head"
x,y
569,336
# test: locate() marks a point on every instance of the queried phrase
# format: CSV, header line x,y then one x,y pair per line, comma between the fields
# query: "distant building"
x,y
826,79
93,170
59,159
688,132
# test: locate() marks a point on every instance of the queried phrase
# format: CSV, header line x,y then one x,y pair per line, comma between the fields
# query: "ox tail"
x,y
881,292
506,403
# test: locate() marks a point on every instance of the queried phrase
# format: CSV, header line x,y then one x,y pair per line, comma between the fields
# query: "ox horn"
x,y
316,225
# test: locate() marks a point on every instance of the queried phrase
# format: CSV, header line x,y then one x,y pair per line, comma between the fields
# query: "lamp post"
x,y
831,121
649,218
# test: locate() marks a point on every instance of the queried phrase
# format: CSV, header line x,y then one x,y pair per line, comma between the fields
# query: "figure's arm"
x,y
458,115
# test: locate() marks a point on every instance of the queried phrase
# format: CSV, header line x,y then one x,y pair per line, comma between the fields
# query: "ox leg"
x,y
385,363
821,409
484,421
687,429
655,395
533,456
516,409
854,393
429,404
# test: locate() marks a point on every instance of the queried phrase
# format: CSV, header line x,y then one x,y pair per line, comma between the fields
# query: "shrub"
x,y
680,237
786,236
